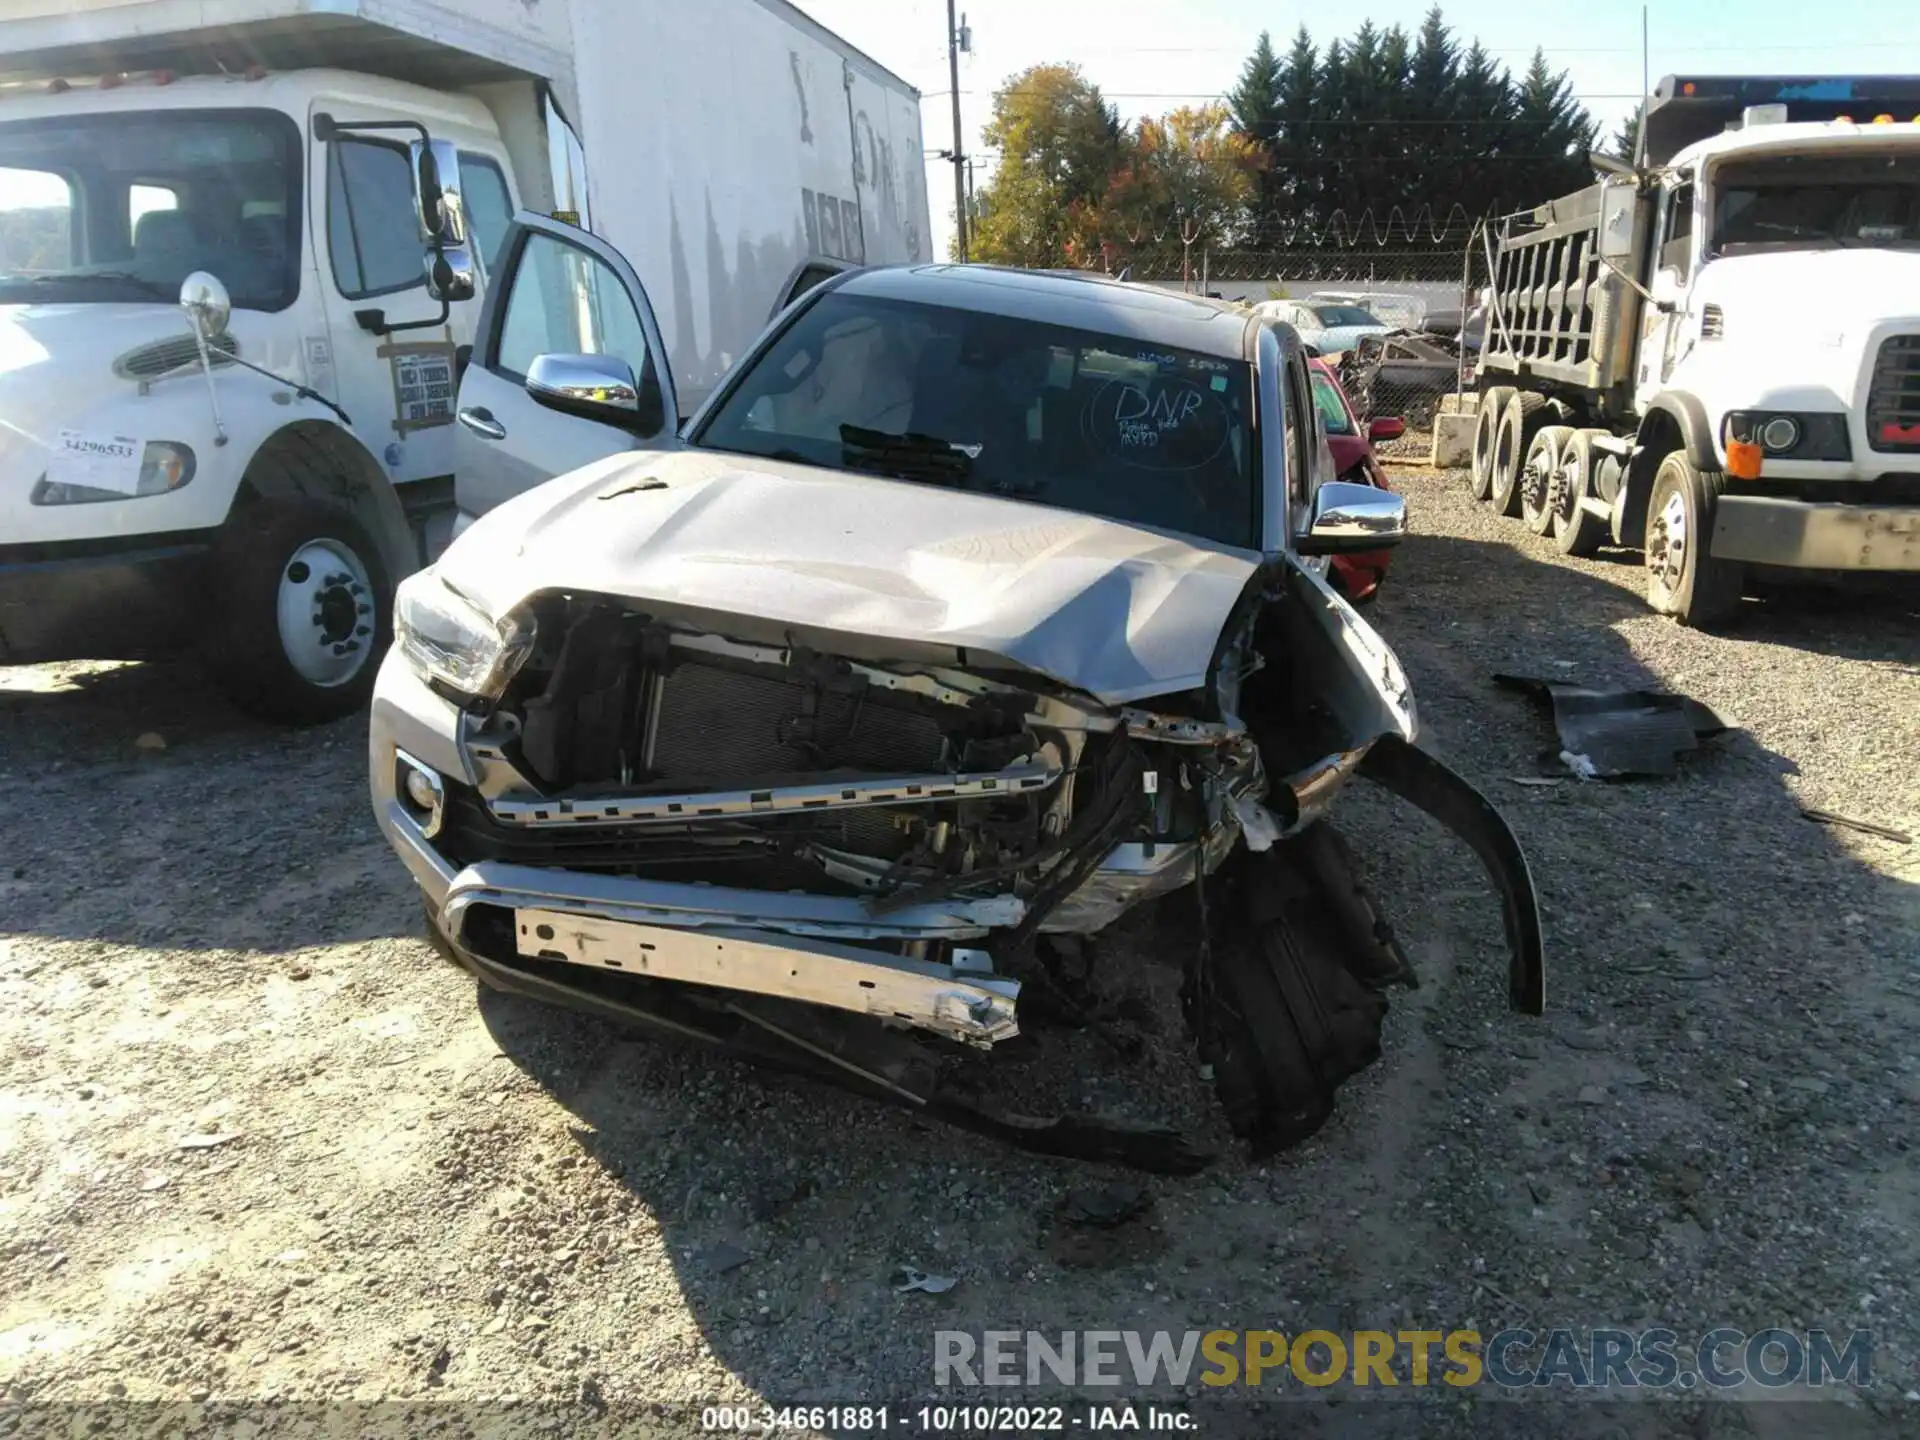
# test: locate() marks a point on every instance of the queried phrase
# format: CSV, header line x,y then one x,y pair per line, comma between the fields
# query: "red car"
x,y
1358,577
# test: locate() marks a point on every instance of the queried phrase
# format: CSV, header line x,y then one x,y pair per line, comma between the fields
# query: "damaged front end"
x,y
850,859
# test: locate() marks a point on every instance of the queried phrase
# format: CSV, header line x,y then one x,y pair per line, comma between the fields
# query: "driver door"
x,y
1662,321
558,291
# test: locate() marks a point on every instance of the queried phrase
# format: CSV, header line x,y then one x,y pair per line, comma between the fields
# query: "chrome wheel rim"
x,y
326,613
1566,488
1533,485
1667,542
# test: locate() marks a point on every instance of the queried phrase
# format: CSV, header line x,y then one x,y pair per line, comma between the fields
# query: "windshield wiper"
x,y
907,456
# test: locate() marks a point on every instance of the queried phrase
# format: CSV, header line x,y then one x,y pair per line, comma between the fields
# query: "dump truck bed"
x,y
1561,316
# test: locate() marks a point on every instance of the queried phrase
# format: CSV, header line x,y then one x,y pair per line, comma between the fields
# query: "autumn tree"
x,y
1187,177
1060,145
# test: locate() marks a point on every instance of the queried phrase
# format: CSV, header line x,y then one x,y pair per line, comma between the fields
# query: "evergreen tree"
x,y
1433,141
1254,105
1293,158
1626,141
1557,133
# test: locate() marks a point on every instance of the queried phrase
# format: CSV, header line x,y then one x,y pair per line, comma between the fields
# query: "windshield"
x,y
124,207
1816,202
1333,410
1097,423
1331,315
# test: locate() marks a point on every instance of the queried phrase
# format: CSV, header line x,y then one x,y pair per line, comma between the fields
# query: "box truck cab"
x,y
1719,353
248,478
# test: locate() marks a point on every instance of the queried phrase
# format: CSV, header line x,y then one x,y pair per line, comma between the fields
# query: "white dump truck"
x,y
329,188
1715,353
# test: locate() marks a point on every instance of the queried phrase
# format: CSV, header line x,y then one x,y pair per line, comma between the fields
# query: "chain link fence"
x,y
1401,316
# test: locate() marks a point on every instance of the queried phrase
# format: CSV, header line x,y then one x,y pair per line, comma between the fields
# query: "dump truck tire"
x,y
1537,477
1576,531
1524,417
1683,580
1486,431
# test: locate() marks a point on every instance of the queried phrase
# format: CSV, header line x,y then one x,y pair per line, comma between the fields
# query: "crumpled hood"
x,y
1118,612
1812,292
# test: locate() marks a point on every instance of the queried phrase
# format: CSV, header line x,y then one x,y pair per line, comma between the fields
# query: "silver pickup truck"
x,y
975,609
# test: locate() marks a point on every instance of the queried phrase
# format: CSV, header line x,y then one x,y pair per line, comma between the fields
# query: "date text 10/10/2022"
x,y
941,1419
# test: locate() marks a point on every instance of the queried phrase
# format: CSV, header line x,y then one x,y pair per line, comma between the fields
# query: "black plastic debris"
x,y
1610,734
1105,1206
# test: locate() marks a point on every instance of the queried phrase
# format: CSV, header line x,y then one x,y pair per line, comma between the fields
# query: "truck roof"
x,y
1082,301
409,40
1685,110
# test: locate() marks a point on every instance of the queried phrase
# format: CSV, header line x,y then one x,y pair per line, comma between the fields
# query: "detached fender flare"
x,y
1428,785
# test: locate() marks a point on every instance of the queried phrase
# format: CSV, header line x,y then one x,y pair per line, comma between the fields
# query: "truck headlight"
x,y
453,643
1794,435
165,466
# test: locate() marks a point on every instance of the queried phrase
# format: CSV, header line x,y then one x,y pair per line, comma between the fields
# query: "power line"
x,y
1207,95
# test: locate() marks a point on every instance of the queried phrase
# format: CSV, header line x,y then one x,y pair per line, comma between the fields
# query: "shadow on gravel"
x,y
785,1205
143,810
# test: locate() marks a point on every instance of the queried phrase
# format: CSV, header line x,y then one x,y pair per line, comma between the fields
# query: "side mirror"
x,y
436,192
450,274
207,304
1387,427
1620,206
594,387
1349,518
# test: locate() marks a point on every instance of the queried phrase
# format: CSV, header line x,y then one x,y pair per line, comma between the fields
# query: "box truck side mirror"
x,y
450,274
436,192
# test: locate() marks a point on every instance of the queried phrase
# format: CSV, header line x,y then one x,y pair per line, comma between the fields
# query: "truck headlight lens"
x,y
453,643
165,466
1792,436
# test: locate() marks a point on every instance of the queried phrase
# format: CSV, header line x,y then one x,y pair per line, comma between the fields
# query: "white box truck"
x,y
250,478
1716,353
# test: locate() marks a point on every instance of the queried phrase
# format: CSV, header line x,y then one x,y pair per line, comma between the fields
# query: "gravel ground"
x,y
257,1141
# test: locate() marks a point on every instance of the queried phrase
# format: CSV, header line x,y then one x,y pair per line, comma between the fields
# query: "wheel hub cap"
x,y
326,612
1566,487
1667,542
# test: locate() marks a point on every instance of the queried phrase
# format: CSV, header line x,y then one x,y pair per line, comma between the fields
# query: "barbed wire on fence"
x,y
1344,230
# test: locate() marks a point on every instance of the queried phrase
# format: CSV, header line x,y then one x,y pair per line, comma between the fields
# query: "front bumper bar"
x,y
780,945
962,1002
1804,535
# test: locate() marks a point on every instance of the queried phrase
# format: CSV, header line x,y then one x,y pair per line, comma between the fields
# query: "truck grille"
x,y
1893,398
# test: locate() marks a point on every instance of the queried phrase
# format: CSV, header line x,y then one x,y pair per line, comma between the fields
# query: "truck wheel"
x,y
1575,530
1486,432
1522,419
308,606
1536,477
1683,580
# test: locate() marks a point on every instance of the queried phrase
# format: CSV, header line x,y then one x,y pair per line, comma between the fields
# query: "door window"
x,y
1676,236
489,208
808,278
565,301
145,199
373,231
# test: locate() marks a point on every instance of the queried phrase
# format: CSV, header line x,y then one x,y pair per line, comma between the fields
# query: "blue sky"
x,y
1152,55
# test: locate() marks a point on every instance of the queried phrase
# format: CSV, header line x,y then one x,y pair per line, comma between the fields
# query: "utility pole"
x,y
954,46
